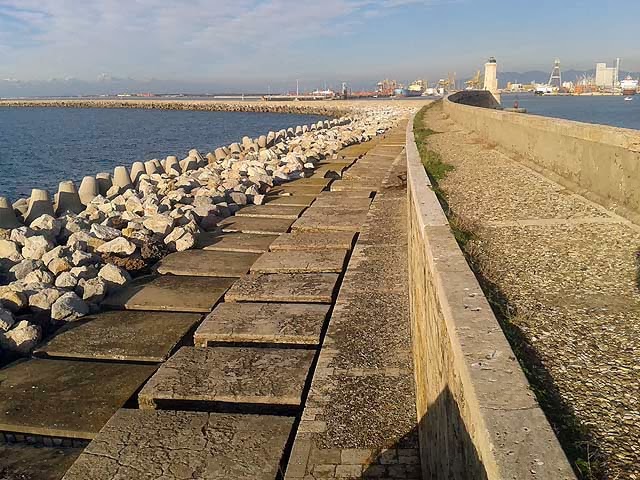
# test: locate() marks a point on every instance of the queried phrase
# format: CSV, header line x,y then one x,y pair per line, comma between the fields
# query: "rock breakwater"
x,y
61,256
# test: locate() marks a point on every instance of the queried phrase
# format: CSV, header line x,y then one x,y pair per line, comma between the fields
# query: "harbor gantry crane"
x,y
475,83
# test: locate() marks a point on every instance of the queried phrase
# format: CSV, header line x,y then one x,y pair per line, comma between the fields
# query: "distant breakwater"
x,y
319,108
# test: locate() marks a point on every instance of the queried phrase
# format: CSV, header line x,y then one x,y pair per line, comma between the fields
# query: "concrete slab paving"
x,y
229,375
271,211
302,261
23,461
310,181
284,287
309,240
269,226
235,241
63,398
121,335
345,195
348,186
275,323
342,202
170,293
294,200
170,445
333,220
296,189
207,263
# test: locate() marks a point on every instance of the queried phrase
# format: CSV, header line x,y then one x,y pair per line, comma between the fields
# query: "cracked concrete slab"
x,y
206,263
277,323
170,445
290,212
64,398
350,220
284,287
342,201
302,261
170,293
264,376
234,241
309,240
255,225
121,335
293,200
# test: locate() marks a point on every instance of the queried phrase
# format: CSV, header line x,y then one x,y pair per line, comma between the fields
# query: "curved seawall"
x,y
478,418
597,161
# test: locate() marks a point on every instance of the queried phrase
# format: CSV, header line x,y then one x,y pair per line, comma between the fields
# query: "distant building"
x,y
606,77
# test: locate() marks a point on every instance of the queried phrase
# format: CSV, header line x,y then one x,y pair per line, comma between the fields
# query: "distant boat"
x,y
628,99
629,86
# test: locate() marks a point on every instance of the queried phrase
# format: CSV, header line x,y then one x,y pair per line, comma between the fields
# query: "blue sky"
x,y
256,44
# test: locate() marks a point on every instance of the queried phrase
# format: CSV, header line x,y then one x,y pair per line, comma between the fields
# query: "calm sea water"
x,y
606,110
39,147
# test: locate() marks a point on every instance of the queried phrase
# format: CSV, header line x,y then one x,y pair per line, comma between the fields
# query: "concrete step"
x,y
290,212
342,202
207,263
121,336
302,261
284,287
63,398
269,226
229,379
319,218
235,242
24,461
296,189
310,240
299,200
170,293
265,323
151,445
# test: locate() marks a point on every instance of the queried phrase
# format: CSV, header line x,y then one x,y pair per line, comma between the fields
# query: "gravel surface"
x,y
572,289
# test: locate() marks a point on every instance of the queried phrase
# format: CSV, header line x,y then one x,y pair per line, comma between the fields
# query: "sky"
x,y
50,47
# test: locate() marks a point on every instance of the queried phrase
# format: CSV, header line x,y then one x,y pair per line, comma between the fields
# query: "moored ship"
x,y
629,86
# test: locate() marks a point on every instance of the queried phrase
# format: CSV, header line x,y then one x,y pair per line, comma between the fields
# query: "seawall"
x,y
478,418
597,161
325,108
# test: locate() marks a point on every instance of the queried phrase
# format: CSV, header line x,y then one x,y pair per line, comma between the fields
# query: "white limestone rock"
x,y
39,276
69,307
22,338
10,250
12,298
66,280
114,276
118,246
105,233
93,290
35,247
160,224
44,299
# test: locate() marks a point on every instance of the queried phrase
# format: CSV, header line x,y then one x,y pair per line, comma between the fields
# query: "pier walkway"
x,y
280,348
563,270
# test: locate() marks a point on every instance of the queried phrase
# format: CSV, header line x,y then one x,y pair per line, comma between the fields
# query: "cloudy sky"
x,y
242,45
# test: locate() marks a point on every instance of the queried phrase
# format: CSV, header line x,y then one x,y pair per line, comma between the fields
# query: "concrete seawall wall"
x,y
478,418
600,162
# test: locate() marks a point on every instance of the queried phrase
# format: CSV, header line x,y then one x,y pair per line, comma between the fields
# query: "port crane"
x,y
474,83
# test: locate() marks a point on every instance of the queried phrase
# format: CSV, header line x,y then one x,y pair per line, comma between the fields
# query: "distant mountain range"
x,y
539,76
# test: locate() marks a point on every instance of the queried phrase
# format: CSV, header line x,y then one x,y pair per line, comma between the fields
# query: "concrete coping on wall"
x,y
504,424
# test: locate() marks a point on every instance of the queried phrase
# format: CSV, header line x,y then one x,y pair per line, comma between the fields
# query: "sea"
x,y
40,147
605,110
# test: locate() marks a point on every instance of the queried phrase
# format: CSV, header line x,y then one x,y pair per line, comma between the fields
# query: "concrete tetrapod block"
x,y
121,335
291,200
216,377
284,287
270,323
104,181
8,217
310,240
137,169
89,189
301,261
234,241
171,165
170,445
255,225
63,398
121,178
67,199
150,167
271,211
207,263
170,293
331,219
39,204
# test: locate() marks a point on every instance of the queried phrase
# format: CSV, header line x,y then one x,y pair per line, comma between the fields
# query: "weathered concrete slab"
x,y
329,219
309,240
121,335
309,181
346,195
23,461
331,170
296,189
265,376
235,241
272,226
284,323
349,185
271,211
284,287
342,202
301,261
294,200
63,398
207,263
169,445
170,293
